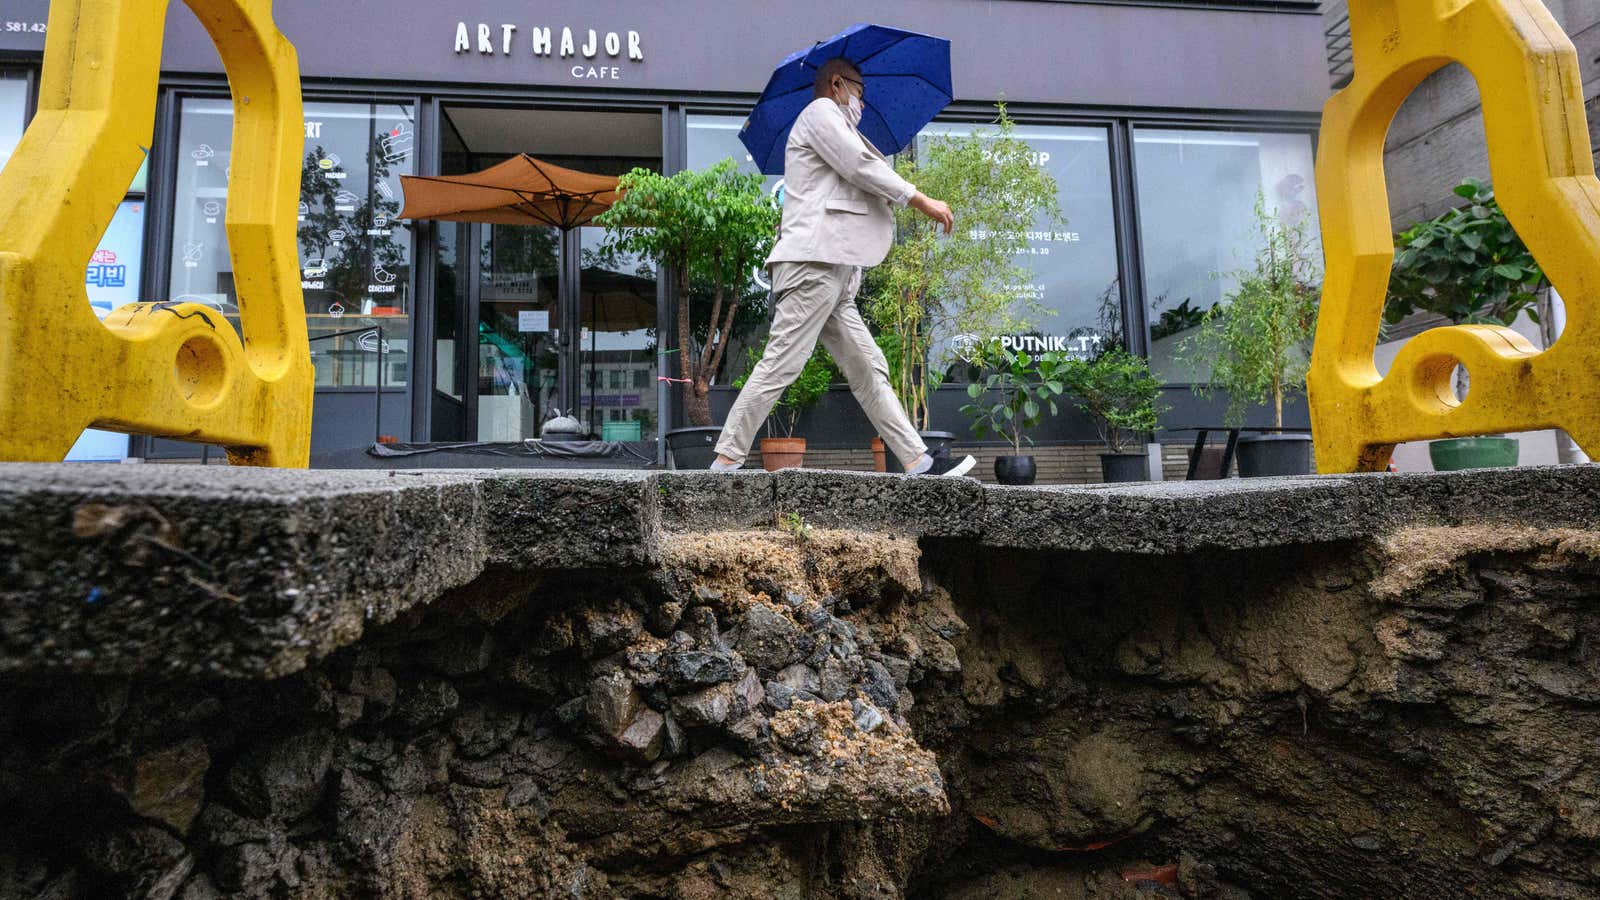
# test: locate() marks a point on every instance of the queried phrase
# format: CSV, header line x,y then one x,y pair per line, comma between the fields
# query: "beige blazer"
x,y
837,193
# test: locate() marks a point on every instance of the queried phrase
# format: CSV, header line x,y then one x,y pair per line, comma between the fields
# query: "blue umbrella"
x,y
907,78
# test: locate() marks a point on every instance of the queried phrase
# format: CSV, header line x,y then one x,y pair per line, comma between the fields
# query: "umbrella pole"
x,y
591,371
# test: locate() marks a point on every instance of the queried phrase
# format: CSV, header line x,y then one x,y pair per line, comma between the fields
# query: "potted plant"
x,y
1022,387
1256,343
1117,390
709,226
1470,267
933,286
788,451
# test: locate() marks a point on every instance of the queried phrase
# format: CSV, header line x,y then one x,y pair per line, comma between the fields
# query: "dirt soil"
x,y
797,712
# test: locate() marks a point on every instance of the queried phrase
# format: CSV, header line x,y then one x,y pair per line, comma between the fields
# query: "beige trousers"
x,y
812,301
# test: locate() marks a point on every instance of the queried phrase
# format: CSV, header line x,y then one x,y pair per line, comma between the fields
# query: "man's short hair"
x,y
825,73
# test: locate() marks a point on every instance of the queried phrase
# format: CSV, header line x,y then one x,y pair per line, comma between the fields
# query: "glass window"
x,y
13,111
112,278
617,306
355,258
447,287
1074,264
713,138
1196,194
518,316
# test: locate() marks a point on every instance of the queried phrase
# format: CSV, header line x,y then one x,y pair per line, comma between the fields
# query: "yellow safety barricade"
x,y
171,369
1544,178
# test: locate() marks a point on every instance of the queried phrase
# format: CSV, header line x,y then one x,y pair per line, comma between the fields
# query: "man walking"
x,y
836,219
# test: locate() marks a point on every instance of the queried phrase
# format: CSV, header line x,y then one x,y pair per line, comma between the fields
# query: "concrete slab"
x,y
251,573
1242,514
216,570
567,520
917,507
716,501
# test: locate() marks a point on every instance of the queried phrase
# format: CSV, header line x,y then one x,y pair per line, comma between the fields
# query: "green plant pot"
x,y
1455,454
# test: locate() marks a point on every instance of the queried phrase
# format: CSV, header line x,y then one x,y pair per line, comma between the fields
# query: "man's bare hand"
x,y
937,210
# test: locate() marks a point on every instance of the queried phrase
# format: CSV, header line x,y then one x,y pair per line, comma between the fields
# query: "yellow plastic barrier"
x,y
172,369
1544,178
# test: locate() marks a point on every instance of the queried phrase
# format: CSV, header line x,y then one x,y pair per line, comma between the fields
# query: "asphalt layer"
x,y
188,570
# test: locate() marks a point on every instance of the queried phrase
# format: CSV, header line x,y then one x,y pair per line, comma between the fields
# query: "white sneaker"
x,y
941,465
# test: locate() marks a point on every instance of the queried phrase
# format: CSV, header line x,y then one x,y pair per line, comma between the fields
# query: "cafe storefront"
x,y
1161,122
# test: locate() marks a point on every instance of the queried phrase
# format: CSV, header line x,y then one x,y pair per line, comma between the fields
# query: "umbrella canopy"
x,y
616,301
520,191
907,83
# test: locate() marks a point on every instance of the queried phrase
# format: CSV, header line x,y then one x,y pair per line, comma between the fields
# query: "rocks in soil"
x,y
427,703
769,639
706,707
142,862
800,678
691,669
613,702
779,695
642,740
169,784
836,677
867,718
880,686
285,778
607,631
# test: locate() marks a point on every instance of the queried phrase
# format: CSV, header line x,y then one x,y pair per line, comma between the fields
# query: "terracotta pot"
x,y
782,453
879,461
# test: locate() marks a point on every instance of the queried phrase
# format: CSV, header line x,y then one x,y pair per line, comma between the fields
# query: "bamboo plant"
x,y
933,287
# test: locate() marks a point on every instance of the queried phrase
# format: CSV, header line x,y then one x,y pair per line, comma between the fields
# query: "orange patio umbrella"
x,y
520,191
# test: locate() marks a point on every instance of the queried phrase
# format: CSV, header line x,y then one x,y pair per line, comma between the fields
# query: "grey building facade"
x,y
1160,120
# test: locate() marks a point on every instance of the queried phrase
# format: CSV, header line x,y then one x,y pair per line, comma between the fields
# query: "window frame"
x,y
166,156
1294,125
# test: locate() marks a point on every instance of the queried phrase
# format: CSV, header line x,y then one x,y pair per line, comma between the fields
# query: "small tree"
x,y
819,372
1256,342
1468,265
710,226
933,285
1026,386
1117,390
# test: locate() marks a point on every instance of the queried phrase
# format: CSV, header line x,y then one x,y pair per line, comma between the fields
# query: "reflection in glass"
x,y
712,139
1196,193
617,346
355,258
1074,265
13,111
448,295
519,269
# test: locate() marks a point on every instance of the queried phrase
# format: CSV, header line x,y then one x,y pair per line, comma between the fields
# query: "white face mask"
x,y
852,111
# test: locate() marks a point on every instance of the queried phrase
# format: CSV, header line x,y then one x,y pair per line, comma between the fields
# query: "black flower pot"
x,y
1123,467
693,448
1266,455
934,440
1015,469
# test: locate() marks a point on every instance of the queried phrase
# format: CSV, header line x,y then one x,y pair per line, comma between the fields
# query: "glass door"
x,y
519,359
617,345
